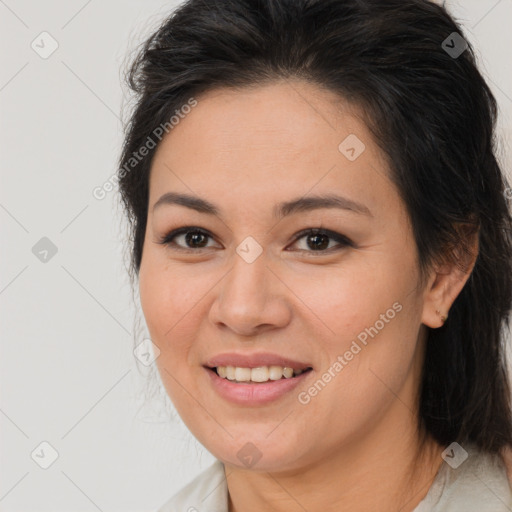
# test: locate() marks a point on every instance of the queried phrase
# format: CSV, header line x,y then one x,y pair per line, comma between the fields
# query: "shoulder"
x,y
207,491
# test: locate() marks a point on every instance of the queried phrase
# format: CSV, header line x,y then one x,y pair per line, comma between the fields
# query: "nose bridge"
x,y
249,295
248,282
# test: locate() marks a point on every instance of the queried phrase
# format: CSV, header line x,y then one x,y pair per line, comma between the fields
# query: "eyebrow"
x,y
302,204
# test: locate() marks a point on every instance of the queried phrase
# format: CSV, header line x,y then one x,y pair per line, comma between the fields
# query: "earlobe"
x,y
438,302
440,298
443,317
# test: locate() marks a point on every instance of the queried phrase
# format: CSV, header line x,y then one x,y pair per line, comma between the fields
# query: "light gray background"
x,y
68,374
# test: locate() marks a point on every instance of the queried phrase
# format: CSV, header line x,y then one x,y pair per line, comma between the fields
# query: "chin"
x,y
258,454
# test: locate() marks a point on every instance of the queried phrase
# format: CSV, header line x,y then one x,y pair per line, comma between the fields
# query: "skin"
x,y
352,445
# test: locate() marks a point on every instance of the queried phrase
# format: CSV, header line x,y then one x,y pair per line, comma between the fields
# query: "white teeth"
x,y
275,372
230,372
242,374
288,372
259,374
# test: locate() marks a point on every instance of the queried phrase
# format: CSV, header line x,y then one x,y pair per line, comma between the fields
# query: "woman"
x,y
322,241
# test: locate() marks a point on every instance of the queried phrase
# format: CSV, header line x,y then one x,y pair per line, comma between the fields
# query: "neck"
x,y
384,473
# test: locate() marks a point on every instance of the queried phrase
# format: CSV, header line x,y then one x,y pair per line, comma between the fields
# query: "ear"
x,y
449,277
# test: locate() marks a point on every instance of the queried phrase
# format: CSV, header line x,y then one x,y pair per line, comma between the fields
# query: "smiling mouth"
x,y
258,375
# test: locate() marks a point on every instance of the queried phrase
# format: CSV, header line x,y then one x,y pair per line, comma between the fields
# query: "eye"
x,y
193,237
318,240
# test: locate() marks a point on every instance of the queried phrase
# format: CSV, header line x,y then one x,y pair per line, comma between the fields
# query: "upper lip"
x,y
255,360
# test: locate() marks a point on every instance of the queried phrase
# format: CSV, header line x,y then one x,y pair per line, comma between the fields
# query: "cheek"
x,y
167,297
377,340
346,301
174,301
168,305
155,300
368,315
161,312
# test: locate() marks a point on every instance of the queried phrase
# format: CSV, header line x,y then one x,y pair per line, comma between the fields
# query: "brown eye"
x,y
191,239
318,240
196,239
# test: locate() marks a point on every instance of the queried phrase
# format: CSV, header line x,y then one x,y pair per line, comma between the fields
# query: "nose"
x,y
251,299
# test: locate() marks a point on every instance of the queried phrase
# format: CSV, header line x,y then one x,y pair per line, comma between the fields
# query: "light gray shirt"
x,y
479,484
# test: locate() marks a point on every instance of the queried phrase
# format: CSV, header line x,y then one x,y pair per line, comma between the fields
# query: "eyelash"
x,y
342,240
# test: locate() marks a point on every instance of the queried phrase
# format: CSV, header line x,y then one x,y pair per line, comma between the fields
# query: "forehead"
x,y
283,135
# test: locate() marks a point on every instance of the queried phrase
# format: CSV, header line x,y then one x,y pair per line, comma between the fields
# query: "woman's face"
x,y
249,283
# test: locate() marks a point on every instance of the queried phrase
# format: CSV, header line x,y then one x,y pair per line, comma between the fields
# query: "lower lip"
x,y
257,393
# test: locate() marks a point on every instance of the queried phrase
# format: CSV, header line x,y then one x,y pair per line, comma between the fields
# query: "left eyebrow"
x,y
309,203
284,209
